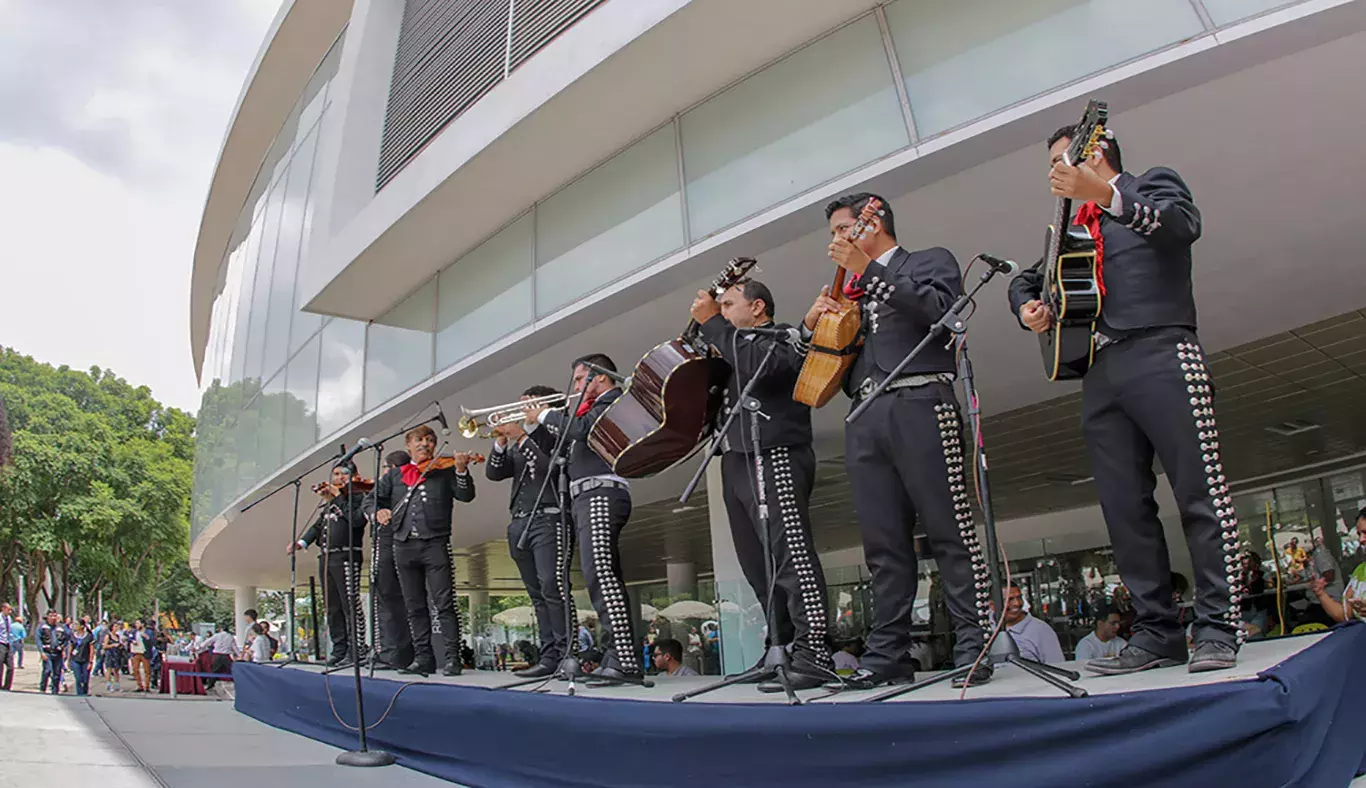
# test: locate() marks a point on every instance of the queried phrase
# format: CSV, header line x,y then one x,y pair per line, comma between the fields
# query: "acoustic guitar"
x,y
669,407
1071,284
834,341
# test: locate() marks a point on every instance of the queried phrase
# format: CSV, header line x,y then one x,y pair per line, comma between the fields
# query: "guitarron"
x,y
1071,286
834,341
670,404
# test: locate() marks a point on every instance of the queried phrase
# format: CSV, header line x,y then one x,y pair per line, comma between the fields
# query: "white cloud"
x,y
114,113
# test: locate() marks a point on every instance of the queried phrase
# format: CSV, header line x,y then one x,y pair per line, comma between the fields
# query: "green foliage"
x,y
97,491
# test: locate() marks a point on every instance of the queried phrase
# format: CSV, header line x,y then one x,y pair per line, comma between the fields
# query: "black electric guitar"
x,y
1071,287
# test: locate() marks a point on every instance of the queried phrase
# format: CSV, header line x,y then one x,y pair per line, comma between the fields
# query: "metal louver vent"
x,y
450,54
536,22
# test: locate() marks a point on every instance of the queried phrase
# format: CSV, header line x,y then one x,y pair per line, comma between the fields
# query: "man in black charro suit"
x,y
339,531
1149,393
905,455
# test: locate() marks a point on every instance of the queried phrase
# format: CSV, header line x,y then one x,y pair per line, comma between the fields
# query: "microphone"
x,y
441,417
790,334
617,376
1000,265
361,445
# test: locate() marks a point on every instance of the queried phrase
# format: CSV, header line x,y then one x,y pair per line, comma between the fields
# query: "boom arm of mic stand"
x,y
725,426
952,321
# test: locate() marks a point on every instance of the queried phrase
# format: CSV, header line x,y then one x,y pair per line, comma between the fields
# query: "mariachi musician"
x,y
904,456
799,597
339,531
416,501
394,642
601,504
1148,393
525,459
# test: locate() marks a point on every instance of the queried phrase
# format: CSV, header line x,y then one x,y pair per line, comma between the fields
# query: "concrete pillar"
x,y
244,598
682,577
739,611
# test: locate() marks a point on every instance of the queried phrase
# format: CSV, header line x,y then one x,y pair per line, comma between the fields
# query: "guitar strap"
x,y
1089,217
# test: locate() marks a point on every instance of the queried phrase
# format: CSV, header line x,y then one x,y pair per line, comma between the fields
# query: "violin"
x,y
330,490
442,463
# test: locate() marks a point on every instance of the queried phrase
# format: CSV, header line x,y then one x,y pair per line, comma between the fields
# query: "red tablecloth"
x,y
185,685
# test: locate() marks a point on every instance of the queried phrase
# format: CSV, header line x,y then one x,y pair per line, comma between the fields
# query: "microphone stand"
x,y
776,662
1003,649
297,484
569,669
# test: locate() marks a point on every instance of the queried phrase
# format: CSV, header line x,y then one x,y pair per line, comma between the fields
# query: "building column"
x,y
244,598
738,610
682,577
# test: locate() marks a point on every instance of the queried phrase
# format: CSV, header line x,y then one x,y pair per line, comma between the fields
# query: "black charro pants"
x,y
599,516
341,591
1147,396
905,458
538,564
799,614
426,573
395,640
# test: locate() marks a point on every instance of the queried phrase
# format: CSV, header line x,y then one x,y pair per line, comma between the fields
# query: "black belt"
x,y
594,483
546,510
332,550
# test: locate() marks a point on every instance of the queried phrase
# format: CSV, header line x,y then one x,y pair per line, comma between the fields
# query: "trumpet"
x,y
480,423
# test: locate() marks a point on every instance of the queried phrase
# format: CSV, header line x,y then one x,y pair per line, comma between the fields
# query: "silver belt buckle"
x,y
865,388
1102,340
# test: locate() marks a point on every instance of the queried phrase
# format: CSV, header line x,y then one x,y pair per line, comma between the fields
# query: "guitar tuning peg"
x,y
1109,135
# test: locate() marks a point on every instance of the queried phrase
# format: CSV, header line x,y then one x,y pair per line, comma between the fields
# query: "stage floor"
x,y
1009,681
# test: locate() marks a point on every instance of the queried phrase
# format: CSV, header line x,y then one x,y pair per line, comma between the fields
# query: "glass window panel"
x,y
270,435
247,431
301,403
260,294
398,350
486,294
293,194
616,219
965,59
304,324
341,372
824,111
1224,12
246,267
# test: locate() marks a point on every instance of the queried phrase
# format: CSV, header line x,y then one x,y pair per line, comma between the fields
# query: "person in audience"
x,y
17,633
1104,641
1352,605
669,658
6,647
82,655
258,643
113,657
847,658
140,656
1326,566
222,645
55,645
1037,640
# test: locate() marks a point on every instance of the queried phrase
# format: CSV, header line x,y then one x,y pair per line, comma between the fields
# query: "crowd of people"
x,y
73,650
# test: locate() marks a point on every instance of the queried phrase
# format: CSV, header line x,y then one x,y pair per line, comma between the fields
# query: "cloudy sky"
x,y
111,116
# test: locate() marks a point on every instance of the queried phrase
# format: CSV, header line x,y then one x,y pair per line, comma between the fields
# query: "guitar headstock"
x,y
871,211
1091,133
734,271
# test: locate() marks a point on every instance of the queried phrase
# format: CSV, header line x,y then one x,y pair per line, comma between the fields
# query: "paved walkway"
x,y
154,742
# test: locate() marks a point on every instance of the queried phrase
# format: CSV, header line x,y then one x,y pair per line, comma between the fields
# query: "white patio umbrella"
x,y
649,612
522,616
687,609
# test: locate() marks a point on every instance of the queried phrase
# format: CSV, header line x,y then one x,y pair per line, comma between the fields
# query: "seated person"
x,y
1353,602
1104,641
669,658
1036,639
846,659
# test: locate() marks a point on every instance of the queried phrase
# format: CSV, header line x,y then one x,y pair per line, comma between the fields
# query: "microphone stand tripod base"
x,y
776,666
366,758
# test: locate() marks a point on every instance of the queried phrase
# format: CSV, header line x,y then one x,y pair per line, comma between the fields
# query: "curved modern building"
x,y
449,200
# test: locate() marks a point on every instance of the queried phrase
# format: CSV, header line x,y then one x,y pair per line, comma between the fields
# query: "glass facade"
x,y
277,380
1224,12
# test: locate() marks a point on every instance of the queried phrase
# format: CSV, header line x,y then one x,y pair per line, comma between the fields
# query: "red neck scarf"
x,y
585,405
1089,217
411,474
851,289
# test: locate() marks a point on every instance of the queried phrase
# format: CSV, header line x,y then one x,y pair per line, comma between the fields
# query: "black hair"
x,y
671,647
250,613
1361,515
349,466
855,203
256,628
755,290
542,391
398,459
1113,157
597,359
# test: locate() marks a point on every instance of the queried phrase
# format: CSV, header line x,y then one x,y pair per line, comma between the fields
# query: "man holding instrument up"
x,y
601,503
525,459
905,456
340,532
417,502
799,598
1148,392
395,646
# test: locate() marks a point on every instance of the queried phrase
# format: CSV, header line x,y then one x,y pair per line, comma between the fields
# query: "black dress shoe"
x,y
338,659
1131,660
799,680
452,668
603,677
865,679
1212,655
380,664
420,667
982,675
538,671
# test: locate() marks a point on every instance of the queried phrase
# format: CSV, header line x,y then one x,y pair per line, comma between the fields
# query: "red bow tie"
x,y
851,288
585,405
410,474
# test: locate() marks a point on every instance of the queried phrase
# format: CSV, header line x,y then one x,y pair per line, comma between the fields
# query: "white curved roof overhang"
x,y
299,37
